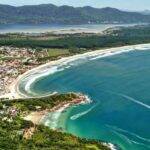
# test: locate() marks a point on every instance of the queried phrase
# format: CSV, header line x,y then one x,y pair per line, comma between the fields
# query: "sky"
x,y
121,4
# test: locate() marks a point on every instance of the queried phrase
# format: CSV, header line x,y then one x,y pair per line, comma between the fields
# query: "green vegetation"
x,y
54,54
57,52
51,14
13,127
79,42
44,103
11,138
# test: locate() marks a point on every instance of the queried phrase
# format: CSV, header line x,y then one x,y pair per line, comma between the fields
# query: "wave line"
x,y
131,133
76,116
131,99
135,101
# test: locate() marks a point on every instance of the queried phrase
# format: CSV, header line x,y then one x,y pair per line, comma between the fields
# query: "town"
x,y
16,61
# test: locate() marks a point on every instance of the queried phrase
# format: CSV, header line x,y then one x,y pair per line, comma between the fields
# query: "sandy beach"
x,y
37,116
59,65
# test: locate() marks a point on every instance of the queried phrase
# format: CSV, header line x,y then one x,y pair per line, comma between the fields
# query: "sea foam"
x,y
129,140
65,63
81,114
51,120
135,101
128,132
131,99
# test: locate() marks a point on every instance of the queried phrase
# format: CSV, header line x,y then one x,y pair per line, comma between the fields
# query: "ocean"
x,y
119,88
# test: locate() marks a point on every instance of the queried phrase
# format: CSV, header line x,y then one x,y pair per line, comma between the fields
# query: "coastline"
x,y
59,65
91,56
68,29
37,116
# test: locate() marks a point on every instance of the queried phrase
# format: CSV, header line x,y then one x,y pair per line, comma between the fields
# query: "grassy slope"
x,y
57,52
43,138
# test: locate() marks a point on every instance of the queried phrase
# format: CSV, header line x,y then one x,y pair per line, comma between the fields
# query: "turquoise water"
x,y
119,87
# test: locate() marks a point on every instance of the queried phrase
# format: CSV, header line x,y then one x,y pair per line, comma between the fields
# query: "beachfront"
x,y
14,62
49,68
58,65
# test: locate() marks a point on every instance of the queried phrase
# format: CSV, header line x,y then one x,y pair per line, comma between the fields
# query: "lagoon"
x,y
54,28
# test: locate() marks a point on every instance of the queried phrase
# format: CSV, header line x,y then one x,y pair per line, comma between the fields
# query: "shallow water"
x,y
30,28
119,88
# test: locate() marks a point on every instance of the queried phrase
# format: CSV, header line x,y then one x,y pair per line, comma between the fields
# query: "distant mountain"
x,y
51,14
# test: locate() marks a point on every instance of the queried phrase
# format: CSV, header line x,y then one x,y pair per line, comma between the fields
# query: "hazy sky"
x,y
122,4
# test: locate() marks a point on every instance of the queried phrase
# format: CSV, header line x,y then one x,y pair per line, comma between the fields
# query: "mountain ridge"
x,y
52,14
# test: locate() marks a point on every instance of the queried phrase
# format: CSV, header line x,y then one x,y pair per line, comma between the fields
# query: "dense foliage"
x,y
80,42
52,14
44,103
12,129
44,138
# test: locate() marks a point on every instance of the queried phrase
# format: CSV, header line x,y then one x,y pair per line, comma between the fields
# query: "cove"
x,y
119,87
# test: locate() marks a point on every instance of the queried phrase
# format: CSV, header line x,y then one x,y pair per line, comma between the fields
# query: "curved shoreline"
x,y
61,64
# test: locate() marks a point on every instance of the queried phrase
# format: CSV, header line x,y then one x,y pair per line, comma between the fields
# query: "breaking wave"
x,y
131,99
135,101
52,119
128,132
129,140
64,63
76,116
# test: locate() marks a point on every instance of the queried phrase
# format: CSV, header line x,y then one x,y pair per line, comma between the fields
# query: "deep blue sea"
x,y
119,87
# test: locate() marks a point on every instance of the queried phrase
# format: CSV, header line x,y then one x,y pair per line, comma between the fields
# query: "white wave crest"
x,y
65,63
131,99
130,133
88,100
123,136
111,53
45,71
52,119
76,116
129,140
135,101
138,143
38,75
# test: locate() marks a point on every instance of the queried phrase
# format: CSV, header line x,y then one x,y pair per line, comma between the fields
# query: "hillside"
x,y
51,14
19,134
